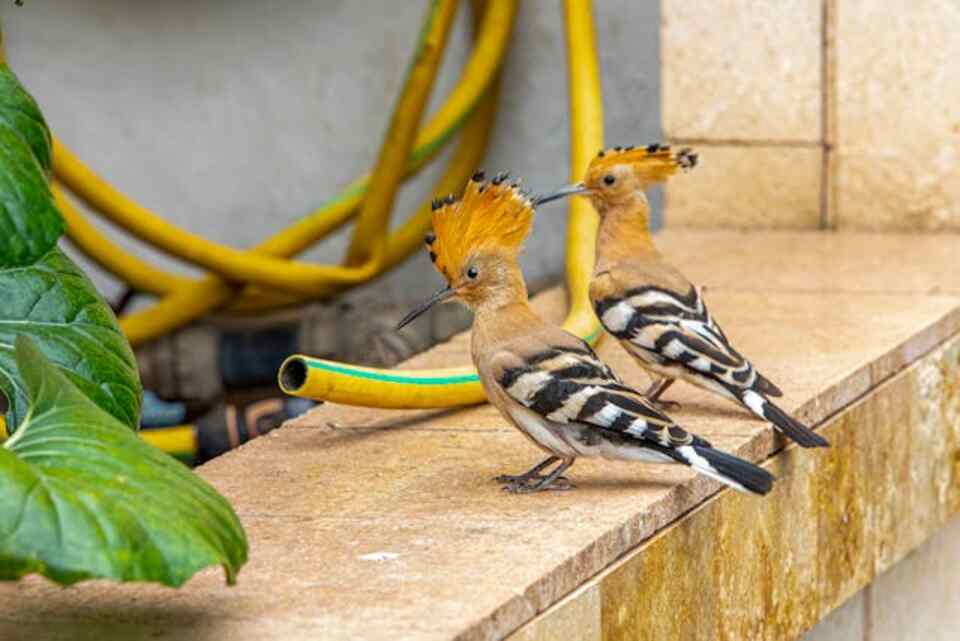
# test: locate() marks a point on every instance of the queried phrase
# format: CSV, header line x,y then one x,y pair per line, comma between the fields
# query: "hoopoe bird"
x,y
659,317
545,381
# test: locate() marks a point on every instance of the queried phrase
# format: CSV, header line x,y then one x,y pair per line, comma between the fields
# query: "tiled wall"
x,y
841,114
916,599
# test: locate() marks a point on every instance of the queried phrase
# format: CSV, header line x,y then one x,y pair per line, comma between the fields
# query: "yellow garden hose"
x,y
301,278
368,241
492,38
179,441
186,304
137,273
201,297
586,137
351,385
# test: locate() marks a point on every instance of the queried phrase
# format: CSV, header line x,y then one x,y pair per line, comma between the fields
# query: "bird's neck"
x,y
624,232
496,321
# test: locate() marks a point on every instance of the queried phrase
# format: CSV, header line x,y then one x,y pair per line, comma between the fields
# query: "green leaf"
x,y
56,304
84,498
30,223
20,112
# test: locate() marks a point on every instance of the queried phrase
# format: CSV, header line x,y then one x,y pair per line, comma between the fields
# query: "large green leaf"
x,y
83,497
30,223
56,304
19,111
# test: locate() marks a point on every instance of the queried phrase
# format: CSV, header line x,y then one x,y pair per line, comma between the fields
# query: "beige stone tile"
x,y
813,261
651,597
898,110
741,71
576,617
766,572
899,189
913,463
919,598
891,422
844,503
747,188
843,624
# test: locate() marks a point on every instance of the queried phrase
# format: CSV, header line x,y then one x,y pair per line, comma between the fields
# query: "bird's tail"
x,y
766,387
791,427
727,468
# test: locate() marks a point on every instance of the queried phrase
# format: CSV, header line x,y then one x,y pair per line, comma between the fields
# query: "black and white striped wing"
x,y
675,330
572,386
568,385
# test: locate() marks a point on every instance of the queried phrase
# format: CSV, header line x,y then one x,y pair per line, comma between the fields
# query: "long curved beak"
x,y
563,192
439,297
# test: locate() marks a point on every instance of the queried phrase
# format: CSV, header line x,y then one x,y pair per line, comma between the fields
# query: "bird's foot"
x,y
536,483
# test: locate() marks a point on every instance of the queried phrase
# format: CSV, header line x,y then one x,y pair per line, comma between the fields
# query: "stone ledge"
x,y
847,324
735,568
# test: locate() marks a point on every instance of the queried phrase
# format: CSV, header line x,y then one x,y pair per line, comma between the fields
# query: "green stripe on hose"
x,y
408,380
394,378
593,335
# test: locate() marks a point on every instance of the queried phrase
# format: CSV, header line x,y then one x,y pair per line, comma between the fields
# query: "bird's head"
x,y
475,243
618,175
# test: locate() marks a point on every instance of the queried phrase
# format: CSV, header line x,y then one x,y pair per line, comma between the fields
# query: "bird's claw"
x,y
530,484
510,478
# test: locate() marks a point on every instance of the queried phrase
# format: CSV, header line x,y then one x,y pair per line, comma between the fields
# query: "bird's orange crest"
x,y
492,215
653,163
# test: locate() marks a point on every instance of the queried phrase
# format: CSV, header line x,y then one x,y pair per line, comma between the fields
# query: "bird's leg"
x,y
553,481
533,472
658,387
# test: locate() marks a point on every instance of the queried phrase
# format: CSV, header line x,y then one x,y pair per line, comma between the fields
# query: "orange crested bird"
x,y
659,317
547,382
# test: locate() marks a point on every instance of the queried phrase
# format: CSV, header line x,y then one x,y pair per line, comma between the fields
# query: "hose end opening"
x,y
293,374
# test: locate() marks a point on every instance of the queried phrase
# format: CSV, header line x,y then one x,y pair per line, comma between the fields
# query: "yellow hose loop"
x,y
495,25
301,278
185,305
420,389
586,136
484,60
137,273
179,441
368,242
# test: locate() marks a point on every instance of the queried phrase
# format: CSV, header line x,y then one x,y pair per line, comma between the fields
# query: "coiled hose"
x,y
187,299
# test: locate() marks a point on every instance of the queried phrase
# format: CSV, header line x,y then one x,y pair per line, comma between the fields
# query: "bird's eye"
x,y
472,273
609,179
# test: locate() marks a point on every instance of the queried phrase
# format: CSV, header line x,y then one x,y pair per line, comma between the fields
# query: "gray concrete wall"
x,y
233,119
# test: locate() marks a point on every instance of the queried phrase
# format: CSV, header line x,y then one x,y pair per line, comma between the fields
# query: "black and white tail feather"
x,y
675,336
577,396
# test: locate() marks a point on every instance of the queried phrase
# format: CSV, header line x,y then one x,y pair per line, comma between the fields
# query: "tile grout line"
x,y
827,119
867,613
